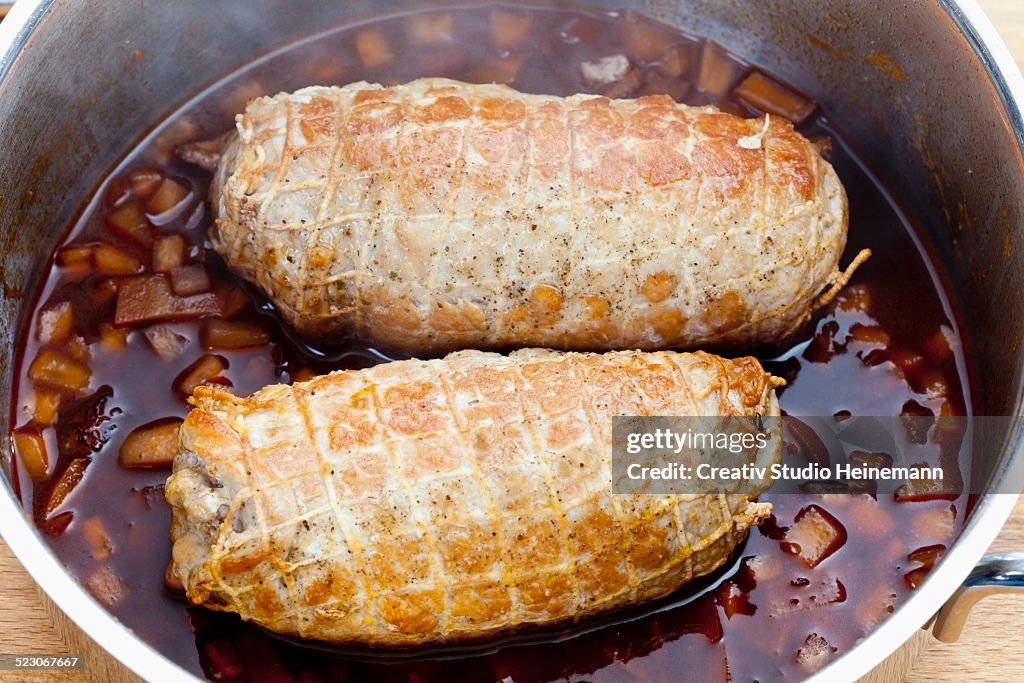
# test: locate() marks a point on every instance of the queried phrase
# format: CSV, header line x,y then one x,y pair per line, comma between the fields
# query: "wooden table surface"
x,y
988,651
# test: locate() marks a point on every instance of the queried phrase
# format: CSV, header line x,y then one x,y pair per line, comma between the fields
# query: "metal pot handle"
x,y
994,574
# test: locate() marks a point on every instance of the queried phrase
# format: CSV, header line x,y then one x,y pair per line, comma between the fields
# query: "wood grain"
x,y
987,652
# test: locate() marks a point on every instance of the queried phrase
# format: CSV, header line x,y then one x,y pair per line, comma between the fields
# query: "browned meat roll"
x,y
432,501
440,215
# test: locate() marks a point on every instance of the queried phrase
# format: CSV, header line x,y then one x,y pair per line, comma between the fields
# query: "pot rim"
x,y
987,518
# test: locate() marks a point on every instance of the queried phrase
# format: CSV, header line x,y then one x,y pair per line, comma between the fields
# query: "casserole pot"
x,y
928,94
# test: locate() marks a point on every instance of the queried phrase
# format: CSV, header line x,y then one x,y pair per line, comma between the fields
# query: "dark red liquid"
x,y
765,616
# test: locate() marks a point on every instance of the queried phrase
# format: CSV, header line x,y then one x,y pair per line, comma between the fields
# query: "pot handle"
x,y
994,574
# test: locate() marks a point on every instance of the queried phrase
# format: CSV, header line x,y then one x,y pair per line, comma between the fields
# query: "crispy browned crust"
x,y
439,215
435,501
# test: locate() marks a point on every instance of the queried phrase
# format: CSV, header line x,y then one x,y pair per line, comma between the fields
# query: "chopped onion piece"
x,y
109,260
30,449
189,280
148,299
202,371
165,341
169,253
57,371
509,29
224,334
604,70
55,323
152,445
130,222
766,95
373,48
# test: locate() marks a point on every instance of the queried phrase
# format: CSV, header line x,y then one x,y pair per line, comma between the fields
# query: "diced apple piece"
x,y
189,280
154,444
676,62
65,484
166,342
373,48
145,181
45,406
429,29
814,536
202,371
55,323
169,253
626,86
75,261
509,29
718,72
646,40
106,586
764,94
30,450
604,70
109,260
130,222
224,334
99,541
57,371
927,556
170,195
150,299
113,338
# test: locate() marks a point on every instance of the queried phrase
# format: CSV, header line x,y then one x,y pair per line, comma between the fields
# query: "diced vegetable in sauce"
x,y
764,94
815,535
373,48
509,29
224,334
189,280
57,371
169,253
207,368
149,298
30,449
152,445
